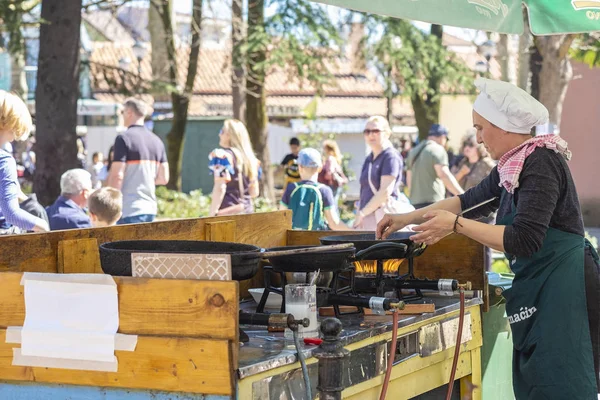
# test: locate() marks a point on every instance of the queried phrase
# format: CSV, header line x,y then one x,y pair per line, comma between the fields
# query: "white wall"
x,y
456,114
354,145
100,139
278,142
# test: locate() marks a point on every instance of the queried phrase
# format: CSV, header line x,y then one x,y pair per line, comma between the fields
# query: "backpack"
x,y
306,204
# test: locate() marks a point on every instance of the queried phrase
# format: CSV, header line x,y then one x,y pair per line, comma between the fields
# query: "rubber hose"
x,y
391,355
461,319
303,365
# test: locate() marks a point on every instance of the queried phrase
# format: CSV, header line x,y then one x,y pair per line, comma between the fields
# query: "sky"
x,y
222,9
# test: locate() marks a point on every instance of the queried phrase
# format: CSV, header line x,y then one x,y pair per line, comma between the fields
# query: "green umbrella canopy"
x,y
546,17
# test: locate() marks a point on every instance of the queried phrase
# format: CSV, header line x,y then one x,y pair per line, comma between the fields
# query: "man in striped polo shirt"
x,y
140,163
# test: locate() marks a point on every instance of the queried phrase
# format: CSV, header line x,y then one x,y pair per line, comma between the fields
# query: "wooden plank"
x,y
38,252
265,230
78,256
220,231
455,257
486,294
169,307
161,363
406,384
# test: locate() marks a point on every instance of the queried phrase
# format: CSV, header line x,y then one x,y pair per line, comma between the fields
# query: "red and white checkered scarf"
x,y
511,164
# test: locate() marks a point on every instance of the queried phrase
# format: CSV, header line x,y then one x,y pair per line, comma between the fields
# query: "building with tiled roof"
x,y
348,95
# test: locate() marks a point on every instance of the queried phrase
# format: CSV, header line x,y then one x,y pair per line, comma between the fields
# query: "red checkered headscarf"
x,y
511,163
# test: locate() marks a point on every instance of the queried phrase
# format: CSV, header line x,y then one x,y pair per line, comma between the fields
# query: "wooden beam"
x,y
39,252
78,256
167,307
454,257
221,231
159,363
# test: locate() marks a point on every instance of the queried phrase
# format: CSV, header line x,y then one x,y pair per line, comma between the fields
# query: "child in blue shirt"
x,y
312,203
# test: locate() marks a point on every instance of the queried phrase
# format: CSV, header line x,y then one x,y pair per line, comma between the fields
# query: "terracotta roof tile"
x,y
214,74
288,106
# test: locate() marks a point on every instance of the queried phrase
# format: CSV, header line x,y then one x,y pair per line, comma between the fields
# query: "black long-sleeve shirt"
x,y
546,197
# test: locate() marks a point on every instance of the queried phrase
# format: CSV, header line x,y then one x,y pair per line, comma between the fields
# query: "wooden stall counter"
x,y
76,251
188,343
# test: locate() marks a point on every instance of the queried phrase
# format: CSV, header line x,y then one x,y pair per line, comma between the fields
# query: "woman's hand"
x,y
464,171
391,223
358,220
41,226
439,225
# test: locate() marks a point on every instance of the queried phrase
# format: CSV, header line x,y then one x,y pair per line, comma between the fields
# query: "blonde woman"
x,y
332,173
236,171
380,178
15,124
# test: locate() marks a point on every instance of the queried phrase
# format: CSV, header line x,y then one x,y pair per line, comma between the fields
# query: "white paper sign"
x,y
70,316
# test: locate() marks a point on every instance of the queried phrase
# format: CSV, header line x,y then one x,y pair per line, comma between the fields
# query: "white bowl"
x,y
273,301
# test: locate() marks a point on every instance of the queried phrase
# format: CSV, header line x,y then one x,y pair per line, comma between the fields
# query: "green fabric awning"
x,y
546,17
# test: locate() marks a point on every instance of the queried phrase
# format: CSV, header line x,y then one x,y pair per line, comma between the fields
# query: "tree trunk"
x,y
555,74
159,57
180,101
18,83
390,108
389,96
175,139
525,43
426,112
56,95
427,107
535,67
256,102
502,57
237,62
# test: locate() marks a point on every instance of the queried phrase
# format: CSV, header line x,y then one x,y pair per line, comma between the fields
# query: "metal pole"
x,y
331,356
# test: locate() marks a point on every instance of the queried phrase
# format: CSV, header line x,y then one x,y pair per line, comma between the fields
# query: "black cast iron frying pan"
x,y
325,260
115,257
397,246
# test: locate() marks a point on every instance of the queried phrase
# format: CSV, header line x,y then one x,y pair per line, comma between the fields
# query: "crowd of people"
x,y
120,190
313,179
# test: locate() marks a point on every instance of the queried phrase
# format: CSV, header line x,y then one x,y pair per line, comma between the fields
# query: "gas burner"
x,y
381,283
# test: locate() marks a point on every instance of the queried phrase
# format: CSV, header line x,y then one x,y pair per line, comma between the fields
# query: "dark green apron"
x,y
547,311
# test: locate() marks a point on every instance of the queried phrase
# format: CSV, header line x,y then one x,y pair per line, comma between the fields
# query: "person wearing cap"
x,y
311,202
552,306
428,175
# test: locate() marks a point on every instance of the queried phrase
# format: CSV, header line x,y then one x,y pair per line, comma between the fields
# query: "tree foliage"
x,y
417,65
586,49
299,37
14,16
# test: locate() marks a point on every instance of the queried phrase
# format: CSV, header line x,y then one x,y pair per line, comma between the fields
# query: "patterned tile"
x,y
215,267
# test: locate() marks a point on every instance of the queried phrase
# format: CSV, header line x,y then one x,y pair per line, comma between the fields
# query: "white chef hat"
x,y
508,106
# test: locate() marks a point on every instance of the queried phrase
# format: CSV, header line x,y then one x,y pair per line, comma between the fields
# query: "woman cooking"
x,y
540,228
